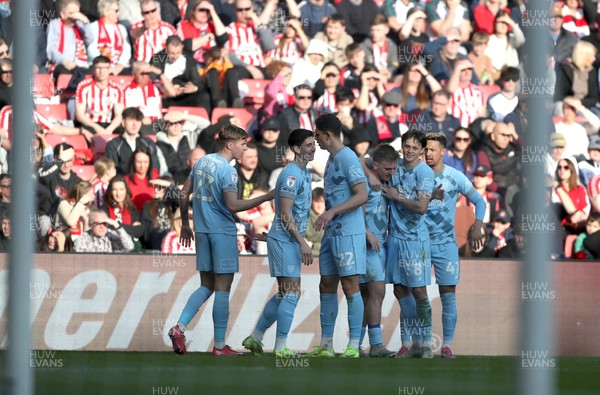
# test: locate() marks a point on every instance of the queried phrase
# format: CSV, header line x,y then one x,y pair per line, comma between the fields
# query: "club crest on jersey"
x,y
234,178
291,181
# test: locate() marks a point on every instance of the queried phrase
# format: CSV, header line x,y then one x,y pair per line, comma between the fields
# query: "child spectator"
x,y
482,63
221,78
313,236
592,225
72,213
171,244
157,214
104,170
289,46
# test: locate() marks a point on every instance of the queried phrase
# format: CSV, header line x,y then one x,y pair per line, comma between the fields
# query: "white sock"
x,y
280,343
181,326
258,335
219,345
353,343
447,343
427,344
327,342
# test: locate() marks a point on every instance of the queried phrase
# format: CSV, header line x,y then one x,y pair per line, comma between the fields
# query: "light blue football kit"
x,y
376,221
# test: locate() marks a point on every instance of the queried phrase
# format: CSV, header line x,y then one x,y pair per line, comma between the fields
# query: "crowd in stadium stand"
x,y
129,94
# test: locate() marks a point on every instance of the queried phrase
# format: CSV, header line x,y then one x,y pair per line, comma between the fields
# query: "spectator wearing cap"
x,y
575,134
250,176
157,213
357,15
175,145
269,154
482,179
121,148
314,14
590,167
105,235
501,153
307,70
389,126
436,119
299,116
359,141
503,44
380,49
59,179
563,40
569,197
98,101
444,54
337,40
444,14
502,103
557,150
107,37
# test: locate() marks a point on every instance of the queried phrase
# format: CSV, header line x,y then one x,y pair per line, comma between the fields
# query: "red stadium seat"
x,y
85,172
569,245
151,137
77,141
197,111
63,82
99,142
122,80
488,90
244,115
43,85
53,111
256,90
390,85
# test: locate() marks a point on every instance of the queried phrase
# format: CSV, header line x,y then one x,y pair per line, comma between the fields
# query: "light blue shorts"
x,y
408,262
285,259
216,252
343,255
375,266
445,263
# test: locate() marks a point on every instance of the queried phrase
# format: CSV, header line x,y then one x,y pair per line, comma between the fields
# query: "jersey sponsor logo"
x,y
290,181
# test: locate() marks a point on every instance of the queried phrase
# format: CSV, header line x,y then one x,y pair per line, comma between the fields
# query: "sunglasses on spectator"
x,y
202,10
563,168
244,9
513,79
373,78
465,139
467,68
99,223
174,123
304,97
149,12
160,187
331,75
4,186
454,41
6,71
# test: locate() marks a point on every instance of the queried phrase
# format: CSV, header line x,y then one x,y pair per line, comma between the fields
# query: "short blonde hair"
x,y
580,51
104,4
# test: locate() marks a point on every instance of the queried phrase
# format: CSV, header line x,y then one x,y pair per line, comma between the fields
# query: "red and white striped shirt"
x,y
6,117
182,9
244,43
99,102
152,41
575,23
465,103
290,53
171,245
363,116
187,29
380,55
145,98
325,104
305,122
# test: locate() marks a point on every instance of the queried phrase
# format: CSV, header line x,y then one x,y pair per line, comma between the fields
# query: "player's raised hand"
x,y
372,241
323,220
186,236
306,251
438,193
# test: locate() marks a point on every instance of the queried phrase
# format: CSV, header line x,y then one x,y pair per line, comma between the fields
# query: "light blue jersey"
x,y
440,214
376,214
292,183
211,177
342,172
405,223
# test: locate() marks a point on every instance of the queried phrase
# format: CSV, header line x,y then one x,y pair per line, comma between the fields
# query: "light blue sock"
x,y
408,320
220,317
356,310
329,312
285,314
449,315
375,334
195,301
363,332
267,318
424,313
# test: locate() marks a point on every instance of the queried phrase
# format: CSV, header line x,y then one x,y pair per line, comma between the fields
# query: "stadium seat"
x,y
488,90
63,82
569,245
256,90
390,85
197,111
151,137
244,115
77,141
53,111
99,142
122,80
85,172
43,85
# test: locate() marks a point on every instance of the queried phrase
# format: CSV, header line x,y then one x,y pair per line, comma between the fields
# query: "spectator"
x,y
100,239
258,219
557,151
196,154
350,75
501,154
98,101
460,155
573,18
357,14
326,88
444,54
289,45
173,11
312,235
504,102
575,134
139,177
371,90
563,40
481,62
412,36
175,146
300,116
467,102
104,170
416,83
387,127
570,198
277,96
308,69
502,242
55,241
181,70
72,213
6,82
359,141
65,45
121,148
242,240
119,206
503,44
587,168
592,225
269,154
106,37
347,115
130,12
579,78
314,14
157,213
286,158
171,244
202,30
437,119
401,14
337,40
150,34
381,50
275,13
250,176
444,14
6,233
485,13
222,79
5,184
59,179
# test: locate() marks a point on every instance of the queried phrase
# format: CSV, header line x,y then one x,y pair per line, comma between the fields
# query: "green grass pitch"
x,y
162,373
